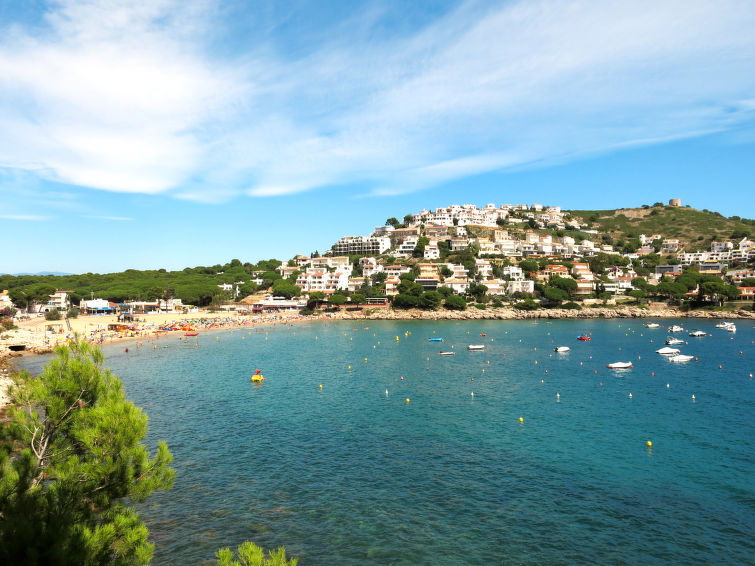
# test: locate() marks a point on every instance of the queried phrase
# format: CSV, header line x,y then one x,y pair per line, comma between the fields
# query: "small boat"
x,y
680,358
483,334
668,351
671,341
17,347
724,324
698,333
561,349
476,347
436,339
258,378
652,325
584,338
447,353
620,365
191,333
731,328
675,328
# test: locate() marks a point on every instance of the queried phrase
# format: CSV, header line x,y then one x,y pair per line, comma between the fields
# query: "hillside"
x,y
695,229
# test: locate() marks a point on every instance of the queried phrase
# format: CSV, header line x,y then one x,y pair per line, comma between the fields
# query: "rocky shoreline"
x,y
508,313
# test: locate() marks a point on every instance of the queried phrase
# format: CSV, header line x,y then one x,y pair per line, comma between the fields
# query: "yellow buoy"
x,y
365,359
521,420
649,444
321,386
348,367
396,338
407,399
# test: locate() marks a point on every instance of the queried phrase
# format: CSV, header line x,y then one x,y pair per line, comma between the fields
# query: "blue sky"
x,y
174,133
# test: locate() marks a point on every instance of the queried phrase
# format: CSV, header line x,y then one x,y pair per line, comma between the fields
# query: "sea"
x,y
365,446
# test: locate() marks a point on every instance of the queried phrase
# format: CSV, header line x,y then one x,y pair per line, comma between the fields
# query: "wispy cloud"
x,y
24,217
132,98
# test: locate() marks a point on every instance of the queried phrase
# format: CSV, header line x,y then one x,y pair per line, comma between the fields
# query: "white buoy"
x,y
630,395
386,393
667,386
472,394
558,395
693,397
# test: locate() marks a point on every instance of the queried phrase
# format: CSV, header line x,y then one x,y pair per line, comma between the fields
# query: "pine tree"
x,y
71,456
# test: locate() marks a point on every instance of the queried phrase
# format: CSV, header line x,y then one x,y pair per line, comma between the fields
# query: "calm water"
x,y
351,474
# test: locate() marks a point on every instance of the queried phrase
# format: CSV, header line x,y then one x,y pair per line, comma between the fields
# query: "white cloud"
x,y
127,97
24,217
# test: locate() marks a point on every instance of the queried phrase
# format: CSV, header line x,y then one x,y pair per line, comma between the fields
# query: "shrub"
x,y
455,303
571,305
73,312
54,314
8,325
526,305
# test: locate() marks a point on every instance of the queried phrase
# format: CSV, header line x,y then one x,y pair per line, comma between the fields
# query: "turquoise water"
x,y
349,474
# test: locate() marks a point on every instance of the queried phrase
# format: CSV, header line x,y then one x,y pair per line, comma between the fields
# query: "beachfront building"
x,y
520,286
59,300
98,306
5,302
278,304
362,245
316,279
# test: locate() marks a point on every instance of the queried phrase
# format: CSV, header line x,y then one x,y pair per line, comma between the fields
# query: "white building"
x,y
362,245
314,279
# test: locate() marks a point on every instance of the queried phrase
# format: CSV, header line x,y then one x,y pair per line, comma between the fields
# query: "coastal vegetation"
x,y
71,461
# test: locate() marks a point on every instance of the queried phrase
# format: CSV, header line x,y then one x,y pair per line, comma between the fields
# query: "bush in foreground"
x,y
249,554
71,455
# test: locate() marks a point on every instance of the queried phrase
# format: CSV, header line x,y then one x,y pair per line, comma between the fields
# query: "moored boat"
x,y
680,358
675,328
447,353
652,325
668,351
674,341
584,338
619,365
561,349
476,347
698,333
436,339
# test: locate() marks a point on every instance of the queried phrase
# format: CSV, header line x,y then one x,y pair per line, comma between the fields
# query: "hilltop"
x,y
695,229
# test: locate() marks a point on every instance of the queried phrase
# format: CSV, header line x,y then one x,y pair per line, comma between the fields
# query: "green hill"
x,y
695,229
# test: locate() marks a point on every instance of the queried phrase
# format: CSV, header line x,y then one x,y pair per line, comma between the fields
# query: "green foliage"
x,y
564,283
477,291
409,287
7,324
337,300
72,455
282,288
249,554
430,300
445,271
419,249
526,305
405,301
53,314
73,312
358,298
455,303
393,221
529,266
571,305
555,294
748,282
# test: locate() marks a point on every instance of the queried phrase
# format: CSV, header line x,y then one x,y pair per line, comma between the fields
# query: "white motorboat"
x,y
620,365
652,325
671,341
731,328
680,358
668,351
675,328
561,349
476,347
698,333
447,353
724,324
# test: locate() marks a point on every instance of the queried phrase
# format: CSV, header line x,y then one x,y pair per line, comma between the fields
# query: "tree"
x,y
419,249
72,455
337,300
393,221
528,266
455,303
405,301
564,283
445,271
249,554
478,291
282,288
408,219
430,300
53,314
